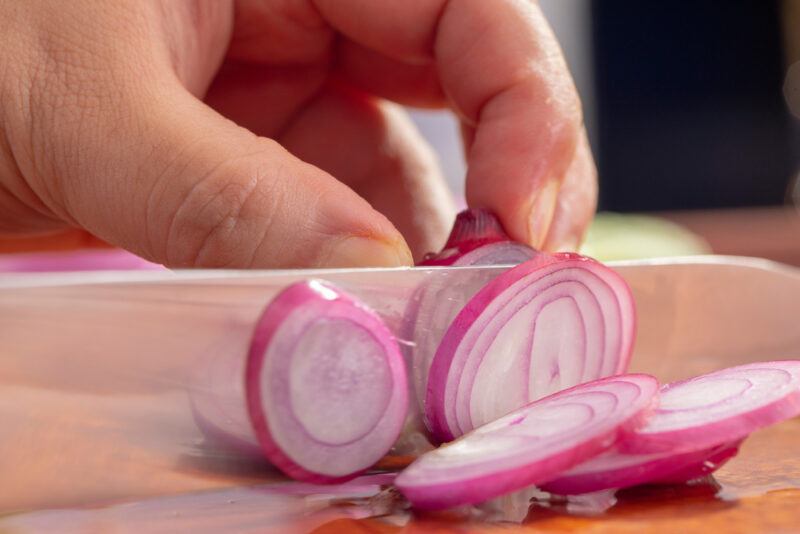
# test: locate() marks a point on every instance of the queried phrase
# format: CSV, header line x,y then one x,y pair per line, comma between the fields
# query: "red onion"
x,y
325,383
477,238
547,324
530,445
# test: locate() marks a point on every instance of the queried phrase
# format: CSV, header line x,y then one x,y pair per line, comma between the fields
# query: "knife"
x,y
93,367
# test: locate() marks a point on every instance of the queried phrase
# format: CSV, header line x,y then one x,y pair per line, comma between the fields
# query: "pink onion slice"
x,y
547,324
716,459
217,399
477,239
616,470
326,384
720,407
530,445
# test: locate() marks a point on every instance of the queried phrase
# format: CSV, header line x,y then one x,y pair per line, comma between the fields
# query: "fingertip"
x,y
577,202
540,213
355,251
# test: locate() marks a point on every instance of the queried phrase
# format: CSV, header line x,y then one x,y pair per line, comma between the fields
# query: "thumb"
x,y
180,185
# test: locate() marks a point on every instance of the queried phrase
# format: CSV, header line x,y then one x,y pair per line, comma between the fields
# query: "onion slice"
x,y
721,407
325,383
530,445
615,470
715,459
545,325
217,400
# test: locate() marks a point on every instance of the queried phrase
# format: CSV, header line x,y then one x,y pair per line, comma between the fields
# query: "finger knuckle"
x,y
223,218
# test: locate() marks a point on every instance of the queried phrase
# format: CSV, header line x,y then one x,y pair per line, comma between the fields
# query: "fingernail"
x,y
366,252
541,213
568,244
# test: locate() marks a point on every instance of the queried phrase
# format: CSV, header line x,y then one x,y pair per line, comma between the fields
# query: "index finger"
x,y
500,66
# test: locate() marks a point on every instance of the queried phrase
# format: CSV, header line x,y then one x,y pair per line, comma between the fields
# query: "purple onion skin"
x,y
474,228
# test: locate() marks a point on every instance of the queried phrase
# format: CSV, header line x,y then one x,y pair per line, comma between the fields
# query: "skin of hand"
x,y
269,133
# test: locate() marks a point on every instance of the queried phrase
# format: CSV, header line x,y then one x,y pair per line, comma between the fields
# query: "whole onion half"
x,y
530,445
477,239
545,325
325,383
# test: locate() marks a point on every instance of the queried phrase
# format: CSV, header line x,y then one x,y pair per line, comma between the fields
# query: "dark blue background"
x,y
690,104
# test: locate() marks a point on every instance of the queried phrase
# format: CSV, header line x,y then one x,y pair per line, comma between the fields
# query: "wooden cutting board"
x,y
66,469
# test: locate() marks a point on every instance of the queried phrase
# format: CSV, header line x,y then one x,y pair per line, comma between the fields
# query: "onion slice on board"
x,y
716,459
477,239
325,383
720,407
697,427
545,325
615,470
530,445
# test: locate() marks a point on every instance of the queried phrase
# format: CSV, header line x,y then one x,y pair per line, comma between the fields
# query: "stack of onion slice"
x,y
698,427
607,434
530,445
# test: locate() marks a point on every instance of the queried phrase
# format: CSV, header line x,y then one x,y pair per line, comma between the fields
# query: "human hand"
x,y
258,133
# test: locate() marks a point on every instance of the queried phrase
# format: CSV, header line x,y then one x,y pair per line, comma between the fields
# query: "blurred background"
x,y
693,111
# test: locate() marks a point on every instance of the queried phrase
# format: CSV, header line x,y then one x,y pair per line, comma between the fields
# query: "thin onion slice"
x,y
326,384
716,459
545,325
530,445
217,399
616,470
477,239
720,407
